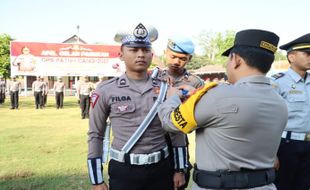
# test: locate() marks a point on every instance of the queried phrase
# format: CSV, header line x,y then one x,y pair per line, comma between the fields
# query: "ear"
x,y
237,60
120,55
291,56
190,57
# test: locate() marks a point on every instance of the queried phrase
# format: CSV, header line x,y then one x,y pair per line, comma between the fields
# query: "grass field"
x,y
44,149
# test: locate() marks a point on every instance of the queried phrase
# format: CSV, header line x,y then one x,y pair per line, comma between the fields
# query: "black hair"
x,y
255,57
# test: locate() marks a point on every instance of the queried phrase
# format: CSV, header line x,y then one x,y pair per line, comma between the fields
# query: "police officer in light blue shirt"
x,y
294,87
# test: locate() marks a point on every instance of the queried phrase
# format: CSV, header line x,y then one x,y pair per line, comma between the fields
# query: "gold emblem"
x,y
268,46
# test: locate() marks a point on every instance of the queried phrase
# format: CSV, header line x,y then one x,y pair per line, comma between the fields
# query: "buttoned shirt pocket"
x,y
296,102
228,109
123,109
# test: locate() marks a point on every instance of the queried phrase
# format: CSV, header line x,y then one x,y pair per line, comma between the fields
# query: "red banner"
x,y
58,59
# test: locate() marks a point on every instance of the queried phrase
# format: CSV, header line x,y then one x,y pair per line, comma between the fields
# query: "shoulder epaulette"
x,y
106,82
277,76
197,77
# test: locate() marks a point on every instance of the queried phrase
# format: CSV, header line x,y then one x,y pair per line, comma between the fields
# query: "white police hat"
x,y
181,45
140,36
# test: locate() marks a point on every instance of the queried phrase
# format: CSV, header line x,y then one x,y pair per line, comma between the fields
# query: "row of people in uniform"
x,y
39,91
239,125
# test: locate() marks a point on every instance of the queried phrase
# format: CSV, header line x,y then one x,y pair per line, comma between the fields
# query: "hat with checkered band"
x,y
140,36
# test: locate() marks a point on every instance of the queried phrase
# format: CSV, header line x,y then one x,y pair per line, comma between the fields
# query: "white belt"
x,y
296,136
140,159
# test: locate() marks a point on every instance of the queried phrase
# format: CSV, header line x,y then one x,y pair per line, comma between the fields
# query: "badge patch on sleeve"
x,y
94,99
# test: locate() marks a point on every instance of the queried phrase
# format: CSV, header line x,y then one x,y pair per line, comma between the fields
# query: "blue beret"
x,y
139,37
181,45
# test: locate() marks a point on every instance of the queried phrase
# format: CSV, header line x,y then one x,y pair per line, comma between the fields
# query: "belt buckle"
x,y
143,159
307,137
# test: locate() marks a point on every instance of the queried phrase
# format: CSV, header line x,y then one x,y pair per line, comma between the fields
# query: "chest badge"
x,y
122,108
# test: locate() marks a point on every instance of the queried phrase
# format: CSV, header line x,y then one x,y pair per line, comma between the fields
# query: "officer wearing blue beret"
x,y
238,125
294,86
178,53
139,154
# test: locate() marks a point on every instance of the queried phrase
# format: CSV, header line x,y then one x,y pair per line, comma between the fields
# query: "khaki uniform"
x,y
14,88
59,88
84,91
38,88
238,126
126,107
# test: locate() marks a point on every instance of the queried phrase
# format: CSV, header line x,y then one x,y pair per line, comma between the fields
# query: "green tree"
x,y
5,55
279,55
213,45
197,62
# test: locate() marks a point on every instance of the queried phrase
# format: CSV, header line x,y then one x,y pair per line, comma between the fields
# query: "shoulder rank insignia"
x,y
278,75
106,82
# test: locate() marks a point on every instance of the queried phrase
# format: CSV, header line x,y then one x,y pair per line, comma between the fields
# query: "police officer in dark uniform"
x,y
130,101
294,87
238,126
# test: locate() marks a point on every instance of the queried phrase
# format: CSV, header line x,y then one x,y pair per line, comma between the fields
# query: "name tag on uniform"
x,y
295,92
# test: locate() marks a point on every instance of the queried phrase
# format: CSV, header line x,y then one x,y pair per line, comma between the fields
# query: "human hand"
x,y
186,88
276,164
101,187
178,179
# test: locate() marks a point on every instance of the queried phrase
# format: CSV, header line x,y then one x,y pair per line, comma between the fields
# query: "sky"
x,y
54,21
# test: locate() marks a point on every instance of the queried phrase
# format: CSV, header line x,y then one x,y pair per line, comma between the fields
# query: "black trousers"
x,y
38,99
294,172
44,99
157,176
14,99
84,104
2,97
59,99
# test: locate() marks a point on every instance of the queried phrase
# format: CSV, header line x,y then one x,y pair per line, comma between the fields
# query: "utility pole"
x,y
78,33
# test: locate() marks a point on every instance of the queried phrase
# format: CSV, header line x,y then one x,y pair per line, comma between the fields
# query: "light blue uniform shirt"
x,y
296,91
